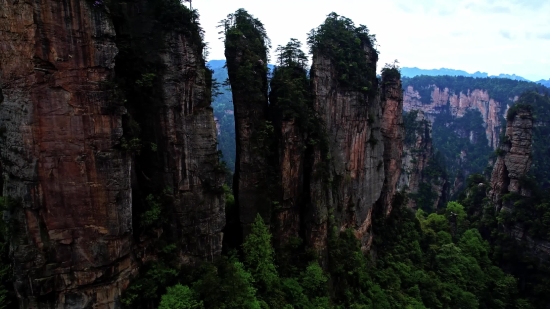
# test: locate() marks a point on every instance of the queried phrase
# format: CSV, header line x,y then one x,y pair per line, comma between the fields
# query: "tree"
x,y
291,55
179,297
238,288
259,254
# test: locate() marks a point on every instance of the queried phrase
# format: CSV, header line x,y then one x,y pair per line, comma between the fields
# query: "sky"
x,y
492,36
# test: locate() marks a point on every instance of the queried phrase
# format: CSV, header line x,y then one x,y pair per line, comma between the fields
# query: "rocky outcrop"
x,y
511,166
418,154
417,150
514,160
187,141
393,133
292,155
346,180
167,90
83,148
457,104
247,70
72,222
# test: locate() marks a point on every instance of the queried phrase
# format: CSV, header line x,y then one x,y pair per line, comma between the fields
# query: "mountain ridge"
x,y
415,71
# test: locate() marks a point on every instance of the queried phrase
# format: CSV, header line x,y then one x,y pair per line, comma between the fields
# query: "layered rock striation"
x,y
354,161
418,158
393,132
104,109
510,190
514,160
72,219
246,54
443,100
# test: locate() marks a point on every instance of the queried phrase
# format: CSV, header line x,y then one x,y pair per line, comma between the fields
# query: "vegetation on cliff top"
x,y
540,152
346,45
502,90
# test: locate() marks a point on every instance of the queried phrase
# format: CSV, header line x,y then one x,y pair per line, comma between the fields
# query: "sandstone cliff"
x,y
509,186
421,176
73,224
89,134
443,99
514,160
393,133
246,56
175,119
354,162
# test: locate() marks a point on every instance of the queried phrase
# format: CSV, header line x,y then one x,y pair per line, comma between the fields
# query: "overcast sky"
x,y
504,36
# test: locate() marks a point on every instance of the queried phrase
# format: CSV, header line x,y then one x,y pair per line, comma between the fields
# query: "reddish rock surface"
x,y
458,104
512,164
73,222
354,177
392,131
291,161
187,139
64,162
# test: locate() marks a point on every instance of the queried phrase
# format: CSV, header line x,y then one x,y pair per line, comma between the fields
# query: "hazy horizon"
x,y
504,37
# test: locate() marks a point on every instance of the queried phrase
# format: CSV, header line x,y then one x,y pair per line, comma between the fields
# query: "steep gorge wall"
x,y
509,185
188,138
72,225
80,153
178,156
514,160
418,154
393,132
355,173
457,104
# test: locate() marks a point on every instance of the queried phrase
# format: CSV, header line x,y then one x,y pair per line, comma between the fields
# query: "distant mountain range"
x,y
412,72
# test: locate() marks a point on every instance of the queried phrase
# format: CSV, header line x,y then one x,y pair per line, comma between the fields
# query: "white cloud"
x,y
472,35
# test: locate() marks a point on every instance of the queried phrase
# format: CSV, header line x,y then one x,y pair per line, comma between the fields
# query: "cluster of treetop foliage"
x,y
421,261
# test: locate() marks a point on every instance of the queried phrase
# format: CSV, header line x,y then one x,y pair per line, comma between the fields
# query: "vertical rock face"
x,y
417,155
514,159
166,85
392,131
63,163
457,105
347,180
292,167
246,56
187,139
72,224
417,150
